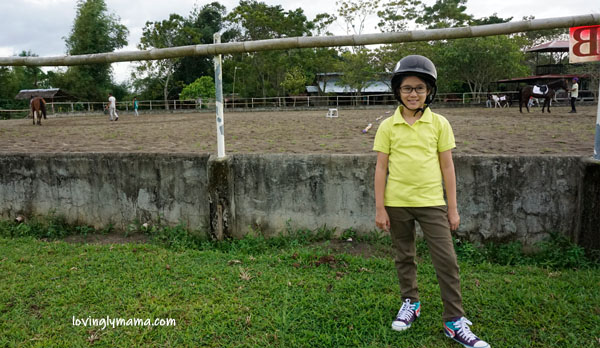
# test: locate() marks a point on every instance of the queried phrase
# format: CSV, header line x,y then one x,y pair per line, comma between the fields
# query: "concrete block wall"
x,y
103,189
500,197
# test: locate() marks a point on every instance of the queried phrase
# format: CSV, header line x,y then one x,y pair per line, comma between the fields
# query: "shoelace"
x,y
463,329
406,311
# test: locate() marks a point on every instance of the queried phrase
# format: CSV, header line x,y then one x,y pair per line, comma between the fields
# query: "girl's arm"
x,y
447,166
382,219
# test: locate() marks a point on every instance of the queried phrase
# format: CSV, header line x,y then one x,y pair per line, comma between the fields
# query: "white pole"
x,y
597,142
219,101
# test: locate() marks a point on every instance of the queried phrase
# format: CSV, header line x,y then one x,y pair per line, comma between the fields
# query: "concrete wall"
x,y
102,189
500,197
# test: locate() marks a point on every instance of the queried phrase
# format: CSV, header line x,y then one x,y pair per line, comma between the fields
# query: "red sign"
x,y
584,44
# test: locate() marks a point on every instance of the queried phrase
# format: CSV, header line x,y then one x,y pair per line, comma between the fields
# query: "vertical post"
x,y
597,141
219,101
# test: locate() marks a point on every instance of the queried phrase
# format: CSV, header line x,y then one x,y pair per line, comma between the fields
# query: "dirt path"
x,y
477,130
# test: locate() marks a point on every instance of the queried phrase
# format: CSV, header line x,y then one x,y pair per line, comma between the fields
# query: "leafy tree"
x,y
395,15
479,61
493,19
295,81
198,29
203,87
261,73
258,21
355,13
161,34
444,14
95,30
358,70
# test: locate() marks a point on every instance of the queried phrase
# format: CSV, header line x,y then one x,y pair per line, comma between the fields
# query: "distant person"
x,y
574,94
135,106
414,156
112,107
488,102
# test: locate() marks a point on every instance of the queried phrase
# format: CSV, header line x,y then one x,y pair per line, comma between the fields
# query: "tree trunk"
x,y
166,92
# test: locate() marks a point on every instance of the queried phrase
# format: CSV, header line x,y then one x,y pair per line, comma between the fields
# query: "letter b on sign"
x,y
584,44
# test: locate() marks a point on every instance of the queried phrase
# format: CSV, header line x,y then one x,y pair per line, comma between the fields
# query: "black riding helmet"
x,y
419,66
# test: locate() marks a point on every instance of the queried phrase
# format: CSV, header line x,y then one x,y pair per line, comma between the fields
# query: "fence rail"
x,y
291,103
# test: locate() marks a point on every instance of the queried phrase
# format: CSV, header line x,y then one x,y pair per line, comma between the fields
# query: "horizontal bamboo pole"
x,y
307,42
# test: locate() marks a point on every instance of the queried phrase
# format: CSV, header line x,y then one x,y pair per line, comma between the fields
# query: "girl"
x,y
414,151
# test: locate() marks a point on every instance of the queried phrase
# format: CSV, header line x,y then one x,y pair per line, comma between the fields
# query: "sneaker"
x,y
408,313
459,331
116,119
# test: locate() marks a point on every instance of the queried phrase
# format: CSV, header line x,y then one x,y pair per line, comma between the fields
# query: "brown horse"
x,y
550,92
38,109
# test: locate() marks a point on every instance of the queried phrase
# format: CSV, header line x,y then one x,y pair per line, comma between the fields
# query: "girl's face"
x,y
413,92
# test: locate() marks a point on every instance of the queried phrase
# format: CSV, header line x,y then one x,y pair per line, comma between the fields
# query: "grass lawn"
x,y
253,293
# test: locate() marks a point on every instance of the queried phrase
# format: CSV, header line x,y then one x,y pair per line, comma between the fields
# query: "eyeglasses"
x,y
409,89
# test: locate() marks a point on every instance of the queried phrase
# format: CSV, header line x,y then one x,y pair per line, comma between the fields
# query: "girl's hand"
x,y
382,219
453,218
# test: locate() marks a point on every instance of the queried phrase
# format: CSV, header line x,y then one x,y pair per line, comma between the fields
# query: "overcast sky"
x,y
45,36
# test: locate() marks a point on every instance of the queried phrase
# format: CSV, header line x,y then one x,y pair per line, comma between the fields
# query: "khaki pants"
x,y
436,230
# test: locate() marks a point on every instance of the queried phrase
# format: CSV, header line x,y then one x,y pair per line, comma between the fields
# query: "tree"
x,y
355,13
479,61
444,14
203,87
295,81
358,70
161,34
263,72
198,28
94,30
395,15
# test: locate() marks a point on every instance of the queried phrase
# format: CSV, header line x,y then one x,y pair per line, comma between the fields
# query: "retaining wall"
x,y
500,197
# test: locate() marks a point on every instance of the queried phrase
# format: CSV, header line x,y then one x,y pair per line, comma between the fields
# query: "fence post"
x,y
219,100
597,140
151,105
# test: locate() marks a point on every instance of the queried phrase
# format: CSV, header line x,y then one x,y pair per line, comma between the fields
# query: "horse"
x,y
501,101
537,91
38,108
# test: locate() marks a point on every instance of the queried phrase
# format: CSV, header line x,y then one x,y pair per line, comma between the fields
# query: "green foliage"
x,y
50,227
295,81
198,28
203,87
395,15
444,14
355,13
258,21
284,294
479,61
94,30
557,252
358,69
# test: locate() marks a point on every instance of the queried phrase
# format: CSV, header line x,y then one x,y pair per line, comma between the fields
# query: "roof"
x,y
552,46
55,93
312,89
542,77
335,86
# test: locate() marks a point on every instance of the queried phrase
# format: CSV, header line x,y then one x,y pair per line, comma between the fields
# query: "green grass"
x,y
279,292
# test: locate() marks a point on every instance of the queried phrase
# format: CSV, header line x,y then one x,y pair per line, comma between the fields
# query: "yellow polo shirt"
x,y
414,174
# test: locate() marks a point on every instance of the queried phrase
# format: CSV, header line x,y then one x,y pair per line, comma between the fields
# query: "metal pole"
x,y
233,94
219,101
597,142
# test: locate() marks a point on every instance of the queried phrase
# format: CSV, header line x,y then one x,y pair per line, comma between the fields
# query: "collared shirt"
x,y
414,174
575,90
112,102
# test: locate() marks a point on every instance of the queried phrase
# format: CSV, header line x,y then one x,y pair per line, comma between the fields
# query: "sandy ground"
x,y
477,131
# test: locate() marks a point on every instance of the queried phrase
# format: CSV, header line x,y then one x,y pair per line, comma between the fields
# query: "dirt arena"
x,y
477,131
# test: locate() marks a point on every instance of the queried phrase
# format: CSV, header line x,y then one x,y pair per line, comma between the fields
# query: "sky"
x,y
46,36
